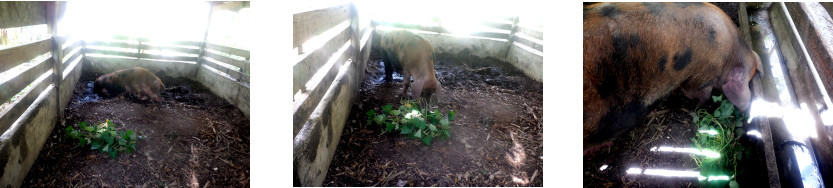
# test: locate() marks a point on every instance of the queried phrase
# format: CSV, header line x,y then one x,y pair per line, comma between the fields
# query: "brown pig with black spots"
x,y
138,81
637,53
413,56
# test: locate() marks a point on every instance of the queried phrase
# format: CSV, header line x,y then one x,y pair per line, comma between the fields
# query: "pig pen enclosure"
x,y
787,141
197,136
491,77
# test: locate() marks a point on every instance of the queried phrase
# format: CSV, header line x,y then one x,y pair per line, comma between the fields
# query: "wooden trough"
x,y
794,43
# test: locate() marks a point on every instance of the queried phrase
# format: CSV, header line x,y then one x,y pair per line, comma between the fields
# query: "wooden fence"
x,y
332,46
32,102
34,98
512,39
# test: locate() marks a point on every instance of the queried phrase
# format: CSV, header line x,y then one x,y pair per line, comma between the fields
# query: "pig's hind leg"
x,y
388,67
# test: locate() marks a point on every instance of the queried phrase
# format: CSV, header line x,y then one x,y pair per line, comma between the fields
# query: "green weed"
x,y
103,137
416,122
717,136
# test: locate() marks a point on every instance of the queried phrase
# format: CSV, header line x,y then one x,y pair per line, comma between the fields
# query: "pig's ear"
x,y
758,65
736,88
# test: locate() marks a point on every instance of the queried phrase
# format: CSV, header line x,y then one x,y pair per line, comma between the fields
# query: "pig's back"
x,y
636,53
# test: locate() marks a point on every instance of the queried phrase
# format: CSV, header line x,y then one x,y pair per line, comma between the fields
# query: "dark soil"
x,y
192,138
496,140
669,125
731,10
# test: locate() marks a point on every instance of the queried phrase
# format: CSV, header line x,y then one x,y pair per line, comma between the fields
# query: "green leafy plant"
x,y
416,122
717,136
103,137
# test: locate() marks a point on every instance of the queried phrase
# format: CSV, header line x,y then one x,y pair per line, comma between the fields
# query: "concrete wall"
x,y
526,52
21,144
225,87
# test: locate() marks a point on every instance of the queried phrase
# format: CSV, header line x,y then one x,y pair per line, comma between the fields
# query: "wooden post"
x,y
139,49
205,40
355,41
511,39
54,11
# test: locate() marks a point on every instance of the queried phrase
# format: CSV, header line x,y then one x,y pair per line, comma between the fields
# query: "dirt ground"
x,y
192,138
496,140
670,124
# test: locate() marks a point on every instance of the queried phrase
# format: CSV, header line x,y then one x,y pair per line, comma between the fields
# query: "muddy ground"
x,y
192,138
496,140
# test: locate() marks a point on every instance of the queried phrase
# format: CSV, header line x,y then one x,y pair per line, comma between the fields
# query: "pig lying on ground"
x,y
411,55
637,53
136,81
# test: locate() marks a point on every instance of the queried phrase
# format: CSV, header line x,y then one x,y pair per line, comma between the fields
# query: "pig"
x,y
137,81
411,55
638,53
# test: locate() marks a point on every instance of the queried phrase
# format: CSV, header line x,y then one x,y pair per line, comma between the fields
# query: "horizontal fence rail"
x,y
137,47
232,61
331,46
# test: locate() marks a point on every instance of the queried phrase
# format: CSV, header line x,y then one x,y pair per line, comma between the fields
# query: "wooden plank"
x,y
231,5
306,99
116,44
236,75
54,12
827,6
311,62
437,29
144,40
17,55
69,49
72,54
21,13
14,85
108,52
224,59
531,32
143,55
309,24
69,61
498,25
525,41
324,128
8,116
813,27
145,46
487,34
228,50
162,57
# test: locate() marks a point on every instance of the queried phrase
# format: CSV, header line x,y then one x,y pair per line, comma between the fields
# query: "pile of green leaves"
x,y
727,123
103,137
416,122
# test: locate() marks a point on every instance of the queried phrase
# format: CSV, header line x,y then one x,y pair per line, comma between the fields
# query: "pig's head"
x,y
101,85
737,81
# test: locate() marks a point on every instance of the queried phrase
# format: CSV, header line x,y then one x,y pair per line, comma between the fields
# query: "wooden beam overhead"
x,y
230,5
